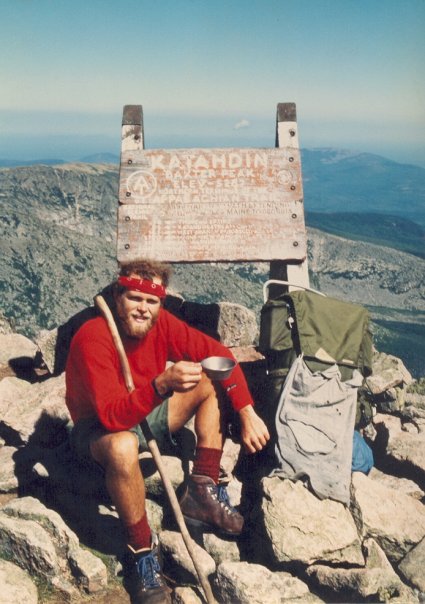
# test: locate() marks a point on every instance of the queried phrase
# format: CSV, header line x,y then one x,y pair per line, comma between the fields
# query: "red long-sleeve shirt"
x,y
95,384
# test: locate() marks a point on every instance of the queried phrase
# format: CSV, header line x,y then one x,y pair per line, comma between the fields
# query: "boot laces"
x,y
223,498
149,570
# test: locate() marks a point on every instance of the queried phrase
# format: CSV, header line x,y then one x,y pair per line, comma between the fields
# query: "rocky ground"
x,y
60,539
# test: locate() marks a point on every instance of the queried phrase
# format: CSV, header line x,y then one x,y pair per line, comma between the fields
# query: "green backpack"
x,y
325,330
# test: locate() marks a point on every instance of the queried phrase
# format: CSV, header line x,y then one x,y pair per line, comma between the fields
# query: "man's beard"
x,y
133,329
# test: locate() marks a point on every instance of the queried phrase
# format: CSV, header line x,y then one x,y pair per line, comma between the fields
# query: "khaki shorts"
x,y
85,430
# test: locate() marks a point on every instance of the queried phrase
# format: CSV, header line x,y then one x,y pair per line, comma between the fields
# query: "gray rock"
x,y
401,446
417,400
395,520
237,325
8,479
388,372
36,410
221,550
415,415
155,513
412,566
16,585
231,452
186,595
46,341
177,560
29,545
244,583
15,346
302,528
29,508
391,400
403,485
89,570
64,590
154,485
37,539
377,581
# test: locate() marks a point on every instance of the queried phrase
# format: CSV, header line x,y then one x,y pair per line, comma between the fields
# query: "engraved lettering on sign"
x,y
216,204
141,183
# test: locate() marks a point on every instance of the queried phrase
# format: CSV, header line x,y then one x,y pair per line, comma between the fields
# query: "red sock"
x,y
207,462
139,534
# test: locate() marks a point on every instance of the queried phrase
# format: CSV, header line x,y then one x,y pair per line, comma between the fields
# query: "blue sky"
x,y
210,73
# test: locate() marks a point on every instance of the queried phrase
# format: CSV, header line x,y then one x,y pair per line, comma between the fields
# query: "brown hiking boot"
x,y
147,585
206,505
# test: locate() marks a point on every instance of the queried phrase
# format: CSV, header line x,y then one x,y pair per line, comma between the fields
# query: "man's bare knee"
x,y
205,389
117,449
184,405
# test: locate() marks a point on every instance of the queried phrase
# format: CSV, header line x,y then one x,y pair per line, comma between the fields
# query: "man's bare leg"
x,y
206,403
204,504
117,453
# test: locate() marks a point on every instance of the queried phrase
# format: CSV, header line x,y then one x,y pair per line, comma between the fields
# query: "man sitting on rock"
x,y
107,417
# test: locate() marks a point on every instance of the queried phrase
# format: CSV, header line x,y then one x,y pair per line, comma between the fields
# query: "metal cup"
x,y
218,368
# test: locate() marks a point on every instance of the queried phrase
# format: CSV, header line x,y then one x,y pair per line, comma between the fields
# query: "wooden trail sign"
x,y
205,205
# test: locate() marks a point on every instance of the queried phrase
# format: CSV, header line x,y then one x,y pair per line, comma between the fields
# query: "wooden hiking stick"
x,y
153,448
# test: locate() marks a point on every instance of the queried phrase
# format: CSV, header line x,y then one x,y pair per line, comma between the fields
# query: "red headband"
x,y
145,286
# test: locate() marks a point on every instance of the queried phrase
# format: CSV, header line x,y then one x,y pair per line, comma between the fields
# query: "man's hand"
x,y
180,377
254,433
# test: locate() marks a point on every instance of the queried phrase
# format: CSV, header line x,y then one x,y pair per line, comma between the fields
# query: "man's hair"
x,y
145,269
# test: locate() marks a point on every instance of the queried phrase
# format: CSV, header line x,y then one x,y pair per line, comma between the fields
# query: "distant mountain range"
x,y
334,181
340,181
97,158
393,231
58,229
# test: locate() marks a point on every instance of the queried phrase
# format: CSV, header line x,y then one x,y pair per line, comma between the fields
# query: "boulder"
x,y
89,571
387,372
36,538
177,561
245,583
221,550
187,595
377,581
16,585
237,325
47,346
412,567
414,415
8,479
395,520
29,545
15,347
154,485
231,452
415,399
402,485
399,448
29,508
302,528
33,410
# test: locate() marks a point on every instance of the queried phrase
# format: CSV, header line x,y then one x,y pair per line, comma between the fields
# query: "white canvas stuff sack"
x,y
314,423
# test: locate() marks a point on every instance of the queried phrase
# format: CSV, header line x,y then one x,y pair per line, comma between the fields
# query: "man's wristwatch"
x,y
157,392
